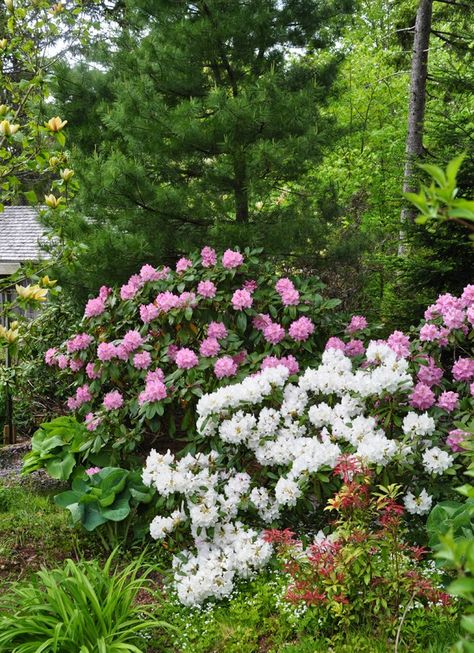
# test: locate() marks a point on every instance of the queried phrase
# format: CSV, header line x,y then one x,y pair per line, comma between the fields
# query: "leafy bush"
x,y
146,354
272,442
81,607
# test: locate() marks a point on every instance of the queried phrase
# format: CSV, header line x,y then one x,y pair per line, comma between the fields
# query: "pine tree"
x,y
216,112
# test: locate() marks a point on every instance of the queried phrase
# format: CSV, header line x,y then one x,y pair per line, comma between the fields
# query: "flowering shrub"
x,y
272,441
364,573
146,353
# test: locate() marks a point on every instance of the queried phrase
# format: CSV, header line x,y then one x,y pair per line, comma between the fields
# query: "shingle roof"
x,y
20,235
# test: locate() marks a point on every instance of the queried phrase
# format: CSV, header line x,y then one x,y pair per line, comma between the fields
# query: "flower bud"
x,y
67,174
46,281
54,161
7,129
52,201
3,44
9,6
32,293
55,124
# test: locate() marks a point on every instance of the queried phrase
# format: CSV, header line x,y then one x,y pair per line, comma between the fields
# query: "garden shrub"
x,y
272,441
146,353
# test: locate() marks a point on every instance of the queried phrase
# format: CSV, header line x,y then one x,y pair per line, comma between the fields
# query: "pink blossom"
x,y
448,401
163,273
93,470
149,273
72,403
92,423
399,343
104,292
83,394
301,329
429,333
261,321
289,362
209,347
122,353
467,297
187,299
155,375
240,357
463,369
241,299
422,397
224,367
142,360
208,256
183,264
274,333
290,298
430,374
79,342
91,371
471,388
354,348
186,358
94,307
250,285
113,400
106,351
148,312
284,285
470,314
455,439
232,259
172,351
165,301
454,318
63,361
129,290
217,330
207,289
132,340
357,323
49,357
154,391
75,364
335,343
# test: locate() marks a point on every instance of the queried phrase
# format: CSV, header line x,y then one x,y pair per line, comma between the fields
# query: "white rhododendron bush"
x,y
392,406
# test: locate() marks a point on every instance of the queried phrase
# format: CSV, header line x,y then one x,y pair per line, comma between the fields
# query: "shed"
x,y
20,238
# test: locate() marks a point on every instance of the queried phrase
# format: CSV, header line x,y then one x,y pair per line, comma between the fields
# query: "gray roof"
x,y
20,235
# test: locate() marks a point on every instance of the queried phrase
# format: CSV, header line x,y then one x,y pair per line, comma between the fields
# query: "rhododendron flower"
x,y
357,323
122,353
419,505
354,348
94,307
430,374
165,301
261,321
241,299
467,297
240,357
301,329
289,362
187,299
455,439
130,289
454,318
232,259
288,293
463,369
155,390
104,292
335,343
79,342
274,333
75,364
93,470
217,330
49,357
148,312
400,343
149,273
448,401
209,347
422,397
62,361
436,461
72,403
172,351
132,340
155,375
183,264
224,367
207,289
470,314
106,351
250,285
91,371
186,358
92,422
113,400
429,333
142,360
208,256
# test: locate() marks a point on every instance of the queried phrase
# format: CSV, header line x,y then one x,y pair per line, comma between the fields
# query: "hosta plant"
x,y
147,352
85,607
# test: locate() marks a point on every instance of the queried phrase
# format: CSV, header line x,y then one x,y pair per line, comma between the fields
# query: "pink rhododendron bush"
x,y
277,444
146,352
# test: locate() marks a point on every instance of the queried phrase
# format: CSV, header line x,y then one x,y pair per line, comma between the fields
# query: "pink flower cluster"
x,y
224,367
241,299
217,330
232,259
82,396
142,360
463,369
79,342
183,264
208,257
155,389
448,314
130,289
94,307
357,323
113,400
209,347
207,289
287,291
289,362
301,329
186,358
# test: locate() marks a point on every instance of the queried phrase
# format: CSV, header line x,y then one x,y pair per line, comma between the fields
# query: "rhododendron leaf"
x,y
242,322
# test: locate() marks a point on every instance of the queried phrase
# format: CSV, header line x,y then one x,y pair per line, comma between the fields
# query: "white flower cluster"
x,y
316,420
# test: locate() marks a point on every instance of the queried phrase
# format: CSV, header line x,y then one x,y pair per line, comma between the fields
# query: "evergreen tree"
x,y
212,114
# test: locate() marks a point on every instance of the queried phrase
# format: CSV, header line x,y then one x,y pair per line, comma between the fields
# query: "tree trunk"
x,y
416,108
